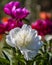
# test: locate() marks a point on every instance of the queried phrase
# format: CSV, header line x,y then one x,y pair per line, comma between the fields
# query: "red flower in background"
x,y
43,26
2,28
8,23
12,24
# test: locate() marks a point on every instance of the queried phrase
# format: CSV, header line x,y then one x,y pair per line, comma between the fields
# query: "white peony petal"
x,y
26,27
35,44
28,54
9,41
11,37
31,54
14,31
26,39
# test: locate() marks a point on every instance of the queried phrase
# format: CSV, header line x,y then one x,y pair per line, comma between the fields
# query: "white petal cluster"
x,y
26,39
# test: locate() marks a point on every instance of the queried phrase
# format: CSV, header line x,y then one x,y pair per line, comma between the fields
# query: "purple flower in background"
x,y
49,25
20,13
20,24
43,26
15,11
9,7
10,24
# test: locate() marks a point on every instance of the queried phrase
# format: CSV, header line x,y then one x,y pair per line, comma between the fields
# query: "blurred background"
x,y
35,7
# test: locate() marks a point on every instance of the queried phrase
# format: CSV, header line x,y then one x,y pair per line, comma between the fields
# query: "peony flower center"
x,y
23,38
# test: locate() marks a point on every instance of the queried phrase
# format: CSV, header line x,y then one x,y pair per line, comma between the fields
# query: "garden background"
x,y
11,56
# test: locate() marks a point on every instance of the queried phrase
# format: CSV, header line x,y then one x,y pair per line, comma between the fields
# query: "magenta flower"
x,y
42,26
49,26
20,13
10,6
10,24
15,11
19,24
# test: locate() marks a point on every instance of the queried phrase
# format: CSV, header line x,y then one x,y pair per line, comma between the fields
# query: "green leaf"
x,y
26,21
4,61
7,56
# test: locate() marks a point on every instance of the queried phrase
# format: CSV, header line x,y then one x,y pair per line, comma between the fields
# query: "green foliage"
x,y
4,61
12,56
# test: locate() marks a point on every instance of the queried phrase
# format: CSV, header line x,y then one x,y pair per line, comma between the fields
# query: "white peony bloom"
x,y
26,39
